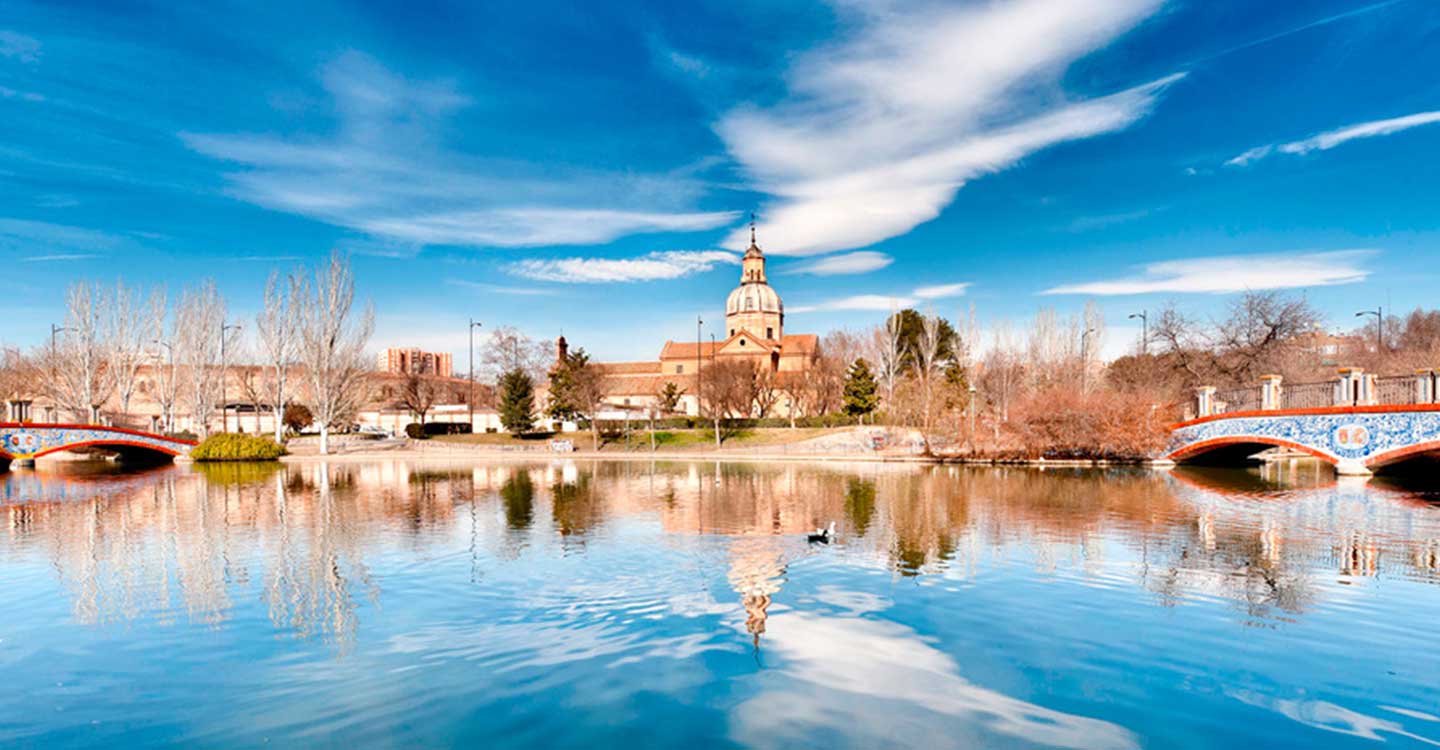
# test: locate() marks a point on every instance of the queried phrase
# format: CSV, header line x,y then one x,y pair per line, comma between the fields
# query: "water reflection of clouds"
x,y
1330,717
864,683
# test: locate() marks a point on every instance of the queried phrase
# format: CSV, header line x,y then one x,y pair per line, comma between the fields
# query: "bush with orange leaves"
x,y
1065,423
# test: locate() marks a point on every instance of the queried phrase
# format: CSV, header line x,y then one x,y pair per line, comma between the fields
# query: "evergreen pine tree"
x,y
861,391
517,402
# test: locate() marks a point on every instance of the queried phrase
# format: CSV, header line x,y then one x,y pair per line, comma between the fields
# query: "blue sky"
x,y
589,168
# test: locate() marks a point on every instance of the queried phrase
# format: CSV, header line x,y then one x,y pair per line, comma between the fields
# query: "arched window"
x,y
749,303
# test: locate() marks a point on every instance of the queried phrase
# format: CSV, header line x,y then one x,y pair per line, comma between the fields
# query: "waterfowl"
x,y
822,535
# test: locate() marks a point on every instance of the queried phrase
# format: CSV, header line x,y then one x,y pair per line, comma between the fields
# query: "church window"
x,y
749,303
679,369
742,342
769,333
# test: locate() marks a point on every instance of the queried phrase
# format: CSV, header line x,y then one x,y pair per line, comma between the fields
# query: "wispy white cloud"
x,y
386,172
44,239
534,227
845,263
17,46
858,303
59,257
881,129
1233,273
521,291
671,264
1091,223
885,302
1332,138
942,291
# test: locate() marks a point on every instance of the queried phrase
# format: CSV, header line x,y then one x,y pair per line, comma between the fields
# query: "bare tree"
x,y
333,340
799,392
764,390
84,378
726,392
199,320
418,395
509,349
131,323
889,355
277,327
167,380
252,389
928,372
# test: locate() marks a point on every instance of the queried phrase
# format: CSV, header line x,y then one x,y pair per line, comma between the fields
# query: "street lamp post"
x,y
55,387
971,438
224,372
1379,314
699,344
1144,317
470,400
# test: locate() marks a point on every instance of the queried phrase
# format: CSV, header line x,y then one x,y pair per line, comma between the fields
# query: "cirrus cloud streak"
x,y
1233,273
670,264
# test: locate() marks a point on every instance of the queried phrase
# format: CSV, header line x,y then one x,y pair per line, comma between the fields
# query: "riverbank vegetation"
x,y
232,446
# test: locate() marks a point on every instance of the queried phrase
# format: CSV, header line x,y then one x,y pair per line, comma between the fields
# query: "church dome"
x,y
753,297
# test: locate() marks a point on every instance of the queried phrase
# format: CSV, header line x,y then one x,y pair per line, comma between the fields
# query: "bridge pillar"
x,y
1204,401
1349,467
1351,391
1270,392
1424,386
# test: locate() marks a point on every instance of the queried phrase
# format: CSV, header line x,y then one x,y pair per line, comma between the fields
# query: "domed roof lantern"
x,y
752,268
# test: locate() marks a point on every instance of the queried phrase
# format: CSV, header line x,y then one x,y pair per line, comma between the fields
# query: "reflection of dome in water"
x,y
757,571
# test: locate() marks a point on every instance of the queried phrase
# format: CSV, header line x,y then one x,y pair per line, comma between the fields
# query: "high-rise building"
x,y
413,361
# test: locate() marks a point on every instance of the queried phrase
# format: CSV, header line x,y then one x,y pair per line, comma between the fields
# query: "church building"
x,y
754,332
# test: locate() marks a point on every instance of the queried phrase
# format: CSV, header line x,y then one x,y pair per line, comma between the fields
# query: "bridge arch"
x,y
29,441
1231,449
1429,448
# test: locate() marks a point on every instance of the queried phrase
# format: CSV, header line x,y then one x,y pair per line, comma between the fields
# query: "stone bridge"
x,y
1358,423
25,442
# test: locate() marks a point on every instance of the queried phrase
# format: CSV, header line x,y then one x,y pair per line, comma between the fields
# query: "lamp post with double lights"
x,y
224,373
1144,317
470,400
1379,314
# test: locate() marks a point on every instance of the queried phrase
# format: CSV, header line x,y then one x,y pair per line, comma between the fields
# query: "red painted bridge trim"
x,y
1379,409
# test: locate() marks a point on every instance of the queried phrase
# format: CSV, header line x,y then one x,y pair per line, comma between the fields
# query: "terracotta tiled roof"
x,y
630,368
800,343
647,385
687,350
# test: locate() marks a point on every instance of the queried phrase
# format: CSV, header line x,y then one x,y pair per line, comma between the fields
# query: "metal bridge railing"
x,y
1352,388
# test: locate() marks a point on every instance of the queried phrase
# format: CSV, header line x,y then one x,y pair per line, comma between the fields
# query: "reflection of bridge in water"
x,y
1359,423
25,442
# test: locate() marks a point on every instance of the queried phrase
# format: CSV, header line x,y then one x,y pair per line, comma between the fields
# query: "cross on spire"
x,y
752,227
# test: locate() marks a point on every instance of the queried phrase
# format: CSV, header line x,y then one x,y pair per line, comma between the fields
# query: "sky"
x,y
590,168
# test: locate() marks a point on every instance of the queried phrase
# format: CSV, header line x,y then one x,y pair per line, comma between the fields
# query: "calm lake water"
x,y
605,605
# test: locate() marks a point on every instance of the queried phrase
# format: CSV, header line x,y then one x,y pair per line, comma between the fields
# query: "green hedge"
x,y
233,446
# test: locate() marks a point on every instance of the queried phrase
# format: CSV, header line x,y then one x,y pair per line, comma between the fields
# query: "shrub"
x,y
183,435
233,446
415,431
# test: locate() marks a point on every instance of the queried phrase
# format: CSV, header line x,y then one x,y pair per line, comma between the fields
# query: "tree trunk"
x,y
279,424
324,439
717,432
